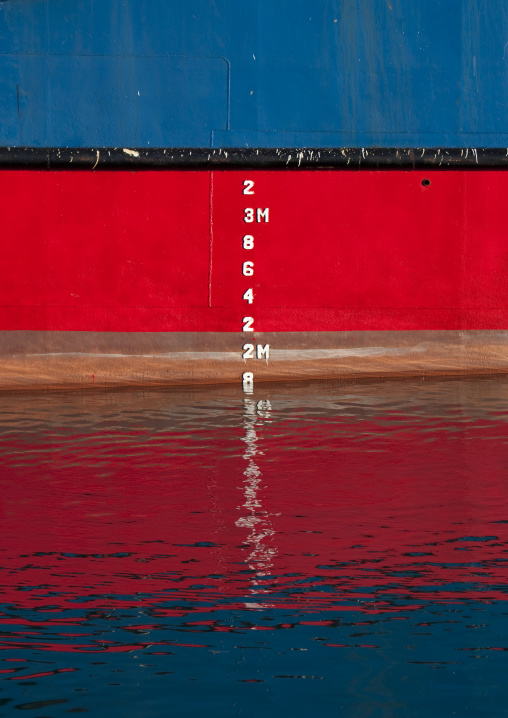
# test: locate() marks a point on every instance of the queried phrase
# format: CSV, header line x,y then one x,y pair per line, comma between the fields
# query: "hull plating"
x,y
199,276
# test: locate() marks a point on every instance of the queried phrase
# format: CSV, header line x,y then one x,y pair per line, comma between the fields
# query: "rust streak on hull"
x,y
43,360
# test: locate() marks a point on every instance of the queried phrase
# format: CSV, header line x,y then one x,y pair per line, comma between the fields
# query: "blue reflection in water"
x,y
325,549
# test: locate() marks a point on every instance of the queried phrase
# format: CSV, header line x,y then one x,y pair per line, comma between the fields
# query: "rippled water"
x,y
330,549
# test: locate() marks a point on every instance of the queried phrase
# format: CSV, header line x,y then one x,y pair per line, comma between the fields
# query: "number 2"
x,y
248,185
247,324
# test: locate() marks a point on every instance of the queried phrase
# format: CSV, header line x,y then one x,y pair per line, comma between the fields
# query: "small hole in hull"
x,y
425,182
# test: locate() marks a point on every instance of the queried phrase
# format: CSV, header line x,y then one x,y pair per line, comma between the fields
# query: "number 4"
x,y
249,296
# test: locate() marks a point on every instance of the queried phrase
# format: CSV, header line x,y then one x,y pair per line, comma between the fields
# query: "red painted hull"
x,y
337,252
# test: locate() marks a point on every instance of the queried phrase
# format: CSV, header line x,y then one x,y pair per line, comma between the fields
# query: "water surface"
x,y
328,548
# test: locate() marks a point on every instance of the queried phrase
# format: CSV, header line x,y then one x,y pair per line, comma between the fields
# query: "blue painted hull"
x,y
145,73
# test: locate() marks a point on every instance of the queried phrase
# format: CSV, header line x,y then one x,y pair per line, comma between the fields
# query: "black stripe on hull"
x,y
352,158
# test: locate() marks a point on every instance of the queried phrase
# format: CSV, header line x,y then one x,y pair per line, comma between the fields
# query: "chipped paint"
x,y
341,157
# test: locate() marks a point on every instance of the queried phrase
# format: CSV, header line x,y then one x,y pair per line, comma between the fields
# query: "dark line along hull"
x,y
142,158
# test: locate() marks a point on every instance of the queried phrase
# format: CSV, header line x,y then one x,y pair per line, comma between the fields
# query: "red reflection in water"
x,y
338,511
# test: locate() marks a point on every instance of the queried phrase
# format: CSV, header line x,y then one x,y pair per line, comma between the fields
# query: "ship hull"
x,y
174,277
42,360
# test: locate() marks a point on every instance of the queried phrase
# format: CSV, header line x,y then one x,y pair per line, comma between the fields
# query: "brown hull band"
x,y
34,359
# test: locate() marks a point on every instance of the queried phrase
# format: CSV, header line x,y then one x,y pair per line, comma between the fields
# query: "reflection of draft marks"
x,y
257,521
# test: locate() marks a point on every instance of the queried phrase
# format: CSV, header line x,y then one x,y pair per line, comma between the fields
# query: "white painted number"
x,y
263,351
247,324
248,351
248,382
261,215
249,296
251,351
